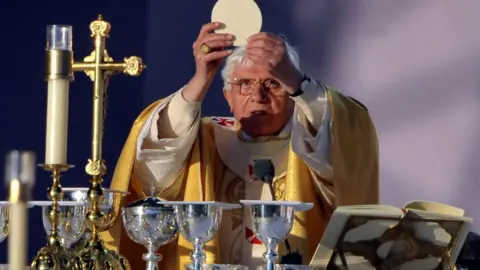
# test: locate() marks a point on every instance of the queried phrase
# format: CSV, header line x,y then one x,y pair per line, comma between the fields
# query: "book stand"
x,y
406,246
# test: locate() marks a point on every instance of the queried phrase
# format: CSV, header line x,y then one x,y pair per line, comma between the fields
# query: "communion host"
x,y
322,144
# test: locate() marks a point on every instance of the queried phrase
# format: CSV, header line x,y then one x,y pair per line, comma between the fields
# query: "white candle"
x,y
20,175
57,122
59,38
17,238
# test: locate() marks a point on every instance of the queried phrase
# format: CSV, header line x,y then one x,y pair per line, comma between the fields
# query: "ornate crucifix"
x,y
99,66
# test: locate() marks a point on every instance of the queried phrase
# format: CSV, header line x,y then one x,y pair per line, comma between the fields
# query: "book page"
x,y
437,215
371,209
435,207
434,231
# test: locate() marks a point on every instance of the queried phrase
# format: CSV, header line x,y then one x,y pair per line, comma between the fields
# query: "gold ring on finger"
x,y
204,48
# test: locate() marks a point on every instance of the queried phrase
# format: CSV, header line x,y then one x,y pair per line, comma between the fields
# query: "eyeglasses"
x,y
247,86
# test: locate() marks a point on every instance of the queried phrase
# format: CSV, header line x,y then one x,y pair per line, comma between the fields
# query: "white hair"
x,y
238,58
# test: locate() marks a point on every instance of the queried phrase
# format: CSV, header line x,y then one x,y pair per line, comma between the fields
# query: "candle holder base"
x,y
96,257
53,258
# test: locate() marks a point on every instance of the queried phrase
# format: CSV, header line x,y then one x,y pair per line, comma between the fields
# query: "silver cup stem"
x,y
67,244
198,255
152,259
271,256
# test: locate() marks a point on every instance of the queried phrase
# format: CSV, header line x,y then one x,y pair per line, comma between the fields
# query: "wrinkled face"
x,y
257,101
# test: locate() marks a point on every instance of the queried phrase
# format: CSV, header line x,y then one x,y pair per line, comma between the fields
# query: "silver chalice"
x,y
272,222
151,223
71,220
111,199
198,223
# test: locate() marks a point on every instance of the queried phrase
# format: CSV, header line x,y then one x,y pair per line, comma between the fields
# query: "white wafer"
x,y
241,18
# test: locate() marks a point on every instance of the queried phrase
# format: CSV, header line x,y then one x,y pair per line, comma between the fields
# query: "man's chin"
x,y
257,119
258,125
259,114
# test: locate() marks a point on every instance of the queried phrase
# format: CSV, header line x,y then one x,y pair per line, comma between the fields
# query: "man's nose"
x,y
259,94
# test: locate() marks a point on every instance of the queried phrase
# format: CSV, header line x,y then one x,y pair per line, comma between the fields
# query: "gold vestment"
x,y
354,159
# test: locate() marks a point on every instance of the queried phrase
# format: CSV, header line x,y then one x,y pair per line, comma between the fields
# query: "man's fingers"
x,y
212,39
255,58
215,41
215,55
261,57
215,44
267,44
260,53
207,28
265,35
258,60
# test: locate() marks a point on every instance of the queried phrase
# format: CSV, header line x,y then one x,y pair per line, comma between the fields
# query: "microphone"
x,y
264,170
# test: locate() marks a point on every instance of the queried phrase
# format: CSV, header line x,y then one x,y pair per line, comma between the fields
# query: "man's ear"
x,y
228,96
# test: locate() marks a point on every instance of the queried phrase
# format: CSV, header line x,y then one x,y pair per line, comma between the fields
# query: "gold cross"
x,y
99,66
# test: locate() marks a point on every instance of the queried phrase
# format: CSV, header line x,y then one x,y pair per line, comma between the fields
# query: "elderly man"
x,y
323,146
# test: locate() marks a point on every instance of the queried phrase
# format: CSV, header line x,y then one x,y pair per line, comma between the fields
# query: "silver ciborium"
x,y
151,223
198,223
272,222
71,220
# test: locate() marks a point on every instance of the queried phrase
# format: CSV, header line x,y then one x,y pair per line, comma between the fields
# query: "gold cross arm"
x,y
100,61
132,66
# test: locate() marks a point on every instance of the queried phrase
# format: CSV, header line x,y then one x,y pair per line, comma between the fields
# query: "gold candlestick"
x,y
54,255
99,66
59,74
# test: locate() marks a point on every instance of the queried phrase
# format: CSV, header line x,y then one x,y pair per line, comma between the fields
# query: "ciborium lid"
x,y
150,201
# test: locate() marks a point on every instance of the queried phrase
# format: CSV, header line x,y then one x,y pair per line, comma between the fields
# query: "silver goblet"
x,y
4,219
71,220
272,222
110,199
151,223
198,223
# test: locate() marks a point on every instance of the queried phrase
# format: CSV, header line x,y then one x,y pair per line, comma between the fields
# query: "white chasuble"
x,y
237,240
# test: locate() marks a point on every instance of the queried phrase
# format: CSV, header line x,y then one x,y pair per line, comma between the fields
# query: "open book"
x,y
422,235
